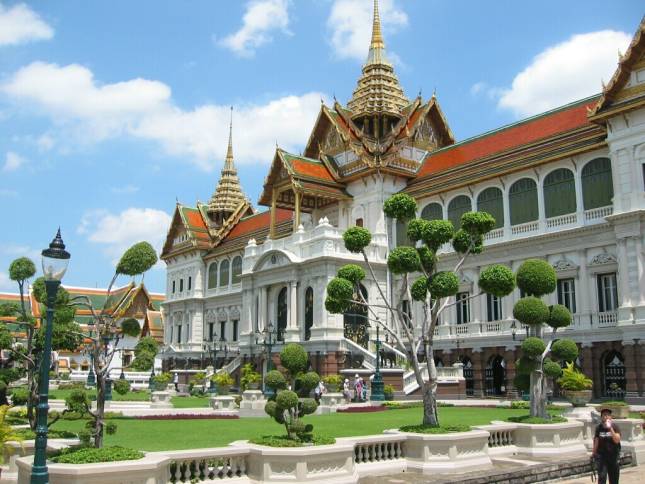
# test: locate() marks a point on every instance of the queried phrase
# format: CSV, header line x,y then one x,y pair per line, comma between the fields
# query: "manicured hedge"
x,y
89,455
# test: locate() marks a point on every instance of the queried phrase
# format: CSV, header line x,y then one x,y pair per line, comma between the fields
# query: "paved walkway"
x,y
628,475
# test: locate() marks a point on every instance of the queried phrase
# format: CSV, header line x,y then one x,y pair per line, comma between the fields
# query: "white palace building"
x,y
566,186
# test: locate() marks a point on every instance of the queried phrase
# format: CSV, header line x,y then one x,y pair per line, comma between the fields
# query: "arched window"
x,y
432,211
457,207
212,275
559,193
282,313
355,322
237,269
597,184
614,381
491,200
223,273
309,312
523,201
402,234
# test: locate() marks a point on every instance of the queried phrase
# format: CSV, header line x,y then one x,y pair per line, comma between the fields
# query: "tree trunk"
x,y
430,416
100,410
538,394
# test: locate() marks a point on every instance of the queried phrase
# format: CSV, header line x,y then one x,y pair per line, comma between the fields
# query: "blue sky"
x,y
110,111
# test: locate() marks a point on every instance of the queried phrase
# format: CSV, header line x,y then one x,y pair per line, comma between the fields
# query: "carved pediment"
x,y
602,259
222,316
274,260
564,265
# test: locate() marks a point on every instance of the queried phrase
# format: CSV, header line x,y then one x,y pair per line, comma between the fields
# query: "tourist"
x,y
364,390
346,393
357,391
606,448
175,380
319,390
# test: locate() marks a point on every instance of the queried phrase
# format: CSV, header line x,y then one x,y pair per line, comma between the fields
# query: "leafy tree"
x,y
417,278
103,342
144,354
537,278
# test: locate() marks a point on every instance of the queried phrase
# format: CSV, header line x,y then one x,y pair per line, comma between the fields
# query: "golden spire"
x,y
378,89
228,194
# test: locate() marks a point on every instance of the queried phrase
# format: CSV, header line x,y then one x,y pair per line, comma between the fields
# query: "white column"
x,y
580,209
541,213
507,213
292,321
476,302
583,292
262,309
624,294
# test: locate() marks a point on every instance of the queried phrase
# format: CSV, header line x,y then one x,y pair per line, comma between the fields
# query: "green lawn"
x,y
190,402
191,434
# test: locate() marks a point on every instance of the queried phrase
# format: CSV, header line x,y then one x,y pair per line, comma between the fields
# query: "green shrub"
x,y
574,380
497,280
419,289
427,257
437,232
527,419
416,228
294,358
403,259
131,327
275,380
520,405
286,399
137,259
249,376
400,206
121,386
536,277
340,289
333,381
564,350
307,382
285,441
559,316
91,455
19,396
463,241
533,347
427,429
477,223
444,284
352,272
525,365
551,368
223,379
388,391
531,310
336,306
356,239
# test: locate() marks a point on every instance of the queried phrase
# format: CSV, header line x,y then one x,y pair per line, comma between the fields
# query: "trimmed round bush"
x,y
275,380
352,272
531,310
19,396
334,306
297,427
121,386
564,349
559,317
497,280
308,381
416,228
340,289
533,347
427,258
536,277
131,327
21,269
463,241
137,259
89,455
294,358
356,239
443,284
419,289
525,365
403,259
437,232
286,399
400,206
477,223
308,406
270,407
551,368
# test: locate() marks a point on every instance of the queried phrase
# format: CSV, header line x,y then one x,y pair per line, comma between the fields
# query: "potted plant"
x,y
7,435
161,381
576,385
334,383
619,408
224,381
250,379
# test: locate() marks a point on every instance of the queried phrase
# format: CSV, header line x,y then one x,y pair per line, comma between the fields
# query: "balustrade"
x,y
366,452
525,228
207,469
568,219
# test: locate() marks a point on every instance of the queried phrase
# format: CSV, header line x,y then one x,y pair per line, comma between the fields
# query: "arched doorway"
x,y
614,382
495,375
355,322
469,375
282,313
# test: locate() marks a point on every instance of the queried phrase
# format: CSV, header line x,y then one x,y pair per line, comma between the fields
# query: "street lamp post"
x,y
377,383
91,377
267,335
55,260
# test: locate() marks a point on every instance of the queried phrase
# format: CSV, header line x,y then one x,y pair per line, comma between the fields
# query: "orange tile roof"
x,y
311,169
531,130
256,222
194,218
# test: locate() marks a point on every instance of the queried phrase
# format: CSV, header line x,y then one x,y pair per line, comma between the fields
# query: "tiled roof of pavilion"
x,y
256,227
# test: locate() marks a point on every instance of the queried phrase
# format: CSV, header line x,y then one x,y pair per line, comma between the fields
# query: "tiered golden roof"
x,y
378,89
228,195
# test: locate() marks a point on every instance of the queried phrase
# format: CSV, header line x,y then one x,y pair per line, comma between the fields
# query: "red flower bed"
x,y
371,408
185,416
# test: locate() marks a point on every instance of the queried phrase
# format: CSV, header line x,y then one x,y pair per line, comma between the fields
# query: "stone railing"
x,y
369,358
138,379
444,374
525,228
231,366
347,460
562,220
598,213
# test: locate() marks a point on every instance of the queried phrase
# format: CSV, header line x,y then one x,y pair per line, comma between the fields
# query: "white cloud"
x,y
565,72
7,284
12,162
20,24
117,232
84,112
261,19
350,22
14,251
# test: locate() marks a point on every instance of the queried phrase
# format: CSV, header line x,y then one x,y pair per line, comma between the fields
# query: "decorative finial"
x,y
229,150
377,37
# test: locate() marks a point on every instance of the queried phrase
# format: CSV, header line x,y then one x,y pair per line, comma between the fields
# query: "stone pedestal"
x,y
223,402
329,403
252,404
161,400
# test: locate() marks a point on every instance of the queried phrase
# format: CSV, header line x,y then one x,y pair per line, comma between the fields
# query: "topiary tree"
x,y
103,341
536,278
288,409
417,278
144,354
